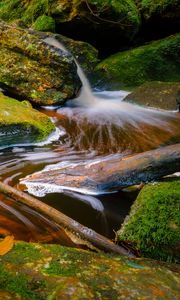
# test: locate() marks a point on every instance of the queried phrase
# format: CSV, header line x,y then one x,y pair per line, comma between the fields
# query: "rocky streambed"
x,y
89,140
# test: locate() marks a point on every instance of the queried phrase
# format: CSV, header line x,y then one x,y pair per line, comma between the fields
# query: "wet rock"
x,y
159,60
153,222
21,124
36,71
85,54
37,271
156,94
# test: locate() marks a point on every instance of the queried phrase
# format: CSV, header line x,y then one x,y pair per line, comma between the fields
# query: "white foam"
x,y
41,189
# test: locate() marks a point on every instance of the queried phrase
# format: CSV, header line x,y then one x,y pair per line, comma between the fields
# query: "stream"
x,y
96,126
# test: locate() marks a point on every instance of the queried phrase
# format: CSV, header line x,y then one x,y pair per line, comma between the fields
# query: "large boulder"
x,y
158,60
35,70
21,124
153,223
156,94
37,271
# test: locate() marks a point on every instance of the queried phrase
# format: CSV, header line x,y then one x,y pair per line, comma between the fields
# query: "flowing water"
x,y
94,126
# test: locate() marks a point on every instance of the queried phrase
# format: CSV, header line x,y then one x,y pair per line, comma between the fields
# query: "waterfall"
x,y
86,97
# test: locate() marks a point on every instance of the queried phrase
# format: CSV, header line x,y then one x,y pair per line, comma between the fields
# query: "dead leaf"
x,y
6,244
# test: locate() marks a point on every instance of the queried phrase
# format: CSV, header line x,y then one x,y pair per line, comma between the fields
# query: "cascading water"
x,y
94,127
102,122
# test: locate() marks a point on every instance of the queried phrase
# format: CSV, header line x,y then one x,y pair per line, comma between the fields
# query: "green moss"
x,y
21,123
161,7
22,286
159,60
11,9
123,12
55,272
23,253
44,23
154,221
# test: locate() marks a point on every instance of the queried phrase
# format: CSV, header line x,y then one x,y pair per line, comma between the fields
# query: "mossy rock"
x,y
44,23
21,124
159,60
156,94
37,271
79,19
120,13
166,9
153,224
36,71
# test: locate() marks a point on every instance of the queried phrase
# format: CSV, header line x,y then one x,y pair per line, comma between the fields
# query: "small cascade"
x,y
103,122
86,97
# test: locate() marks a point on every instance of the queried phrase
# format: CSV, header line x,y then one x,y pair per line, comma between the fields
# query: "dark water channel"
x,y
85,134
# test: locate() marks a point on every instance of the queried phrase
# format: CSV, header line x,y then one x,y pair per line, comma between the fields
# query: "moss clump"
x,y
20,123
154,222
44,23
159,60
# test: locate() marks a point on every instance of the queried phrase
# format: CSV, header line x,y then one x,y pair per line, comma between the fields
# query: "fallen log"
x,y
112,173
86,233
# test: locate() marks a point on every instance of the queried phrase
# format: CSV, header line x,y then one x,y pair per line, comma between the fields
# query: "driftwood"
x,y
86,233
112,173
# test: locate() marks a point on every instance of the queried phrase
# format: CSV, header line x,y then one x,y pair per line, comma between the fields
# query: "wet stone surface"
x,y
35,271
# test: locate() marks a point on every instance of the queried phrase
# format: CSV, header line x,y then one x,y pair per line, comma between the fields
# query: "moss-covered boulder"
x,y
20,123
36,71
159,60
156,94
154,221
36,271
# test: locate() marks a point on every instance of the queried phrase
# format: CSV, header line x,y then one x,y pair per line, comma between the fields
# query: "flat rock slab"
x,y
37,271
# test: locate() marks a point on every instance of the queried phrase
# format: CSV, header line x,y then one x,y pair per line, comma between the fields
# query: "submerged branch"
x,y
86,233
